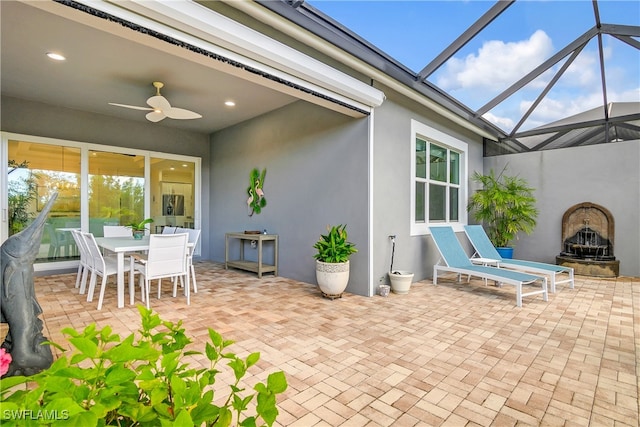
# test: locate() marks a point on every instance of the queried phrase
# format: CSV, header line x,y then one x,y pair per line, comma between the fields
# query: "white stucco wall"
x,y
393,186
605,174
317,165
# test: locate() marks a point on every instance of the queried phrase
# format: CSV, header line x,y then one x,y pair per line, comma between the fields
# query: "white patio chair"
x,y
169,230
116,231
59,243
166,258
100,266
83,266
194,236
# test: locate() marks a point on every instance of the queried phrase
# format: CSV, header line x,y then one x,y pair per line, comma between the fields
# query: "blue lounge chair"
x,y
485,249
454,259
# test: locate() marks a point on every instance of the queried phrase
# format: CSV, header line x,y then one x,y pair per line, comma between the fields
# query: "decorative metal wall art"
x,y
256,201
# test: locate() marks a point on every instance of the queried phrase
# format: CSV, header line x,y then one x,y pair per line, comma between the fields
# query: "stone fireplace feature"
x,y
588,232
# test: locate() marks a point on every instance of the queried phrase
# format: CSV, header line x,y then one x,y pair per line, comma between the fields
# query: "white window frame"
x,y
441,139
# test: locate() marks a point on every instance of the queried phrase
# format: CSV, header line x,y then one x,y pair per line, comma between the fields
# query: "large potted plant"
x,y
332,261
506,206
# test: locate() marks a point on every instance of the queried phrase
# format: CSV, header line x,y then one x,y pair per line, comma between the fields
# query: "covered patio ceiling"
x,y
116,50
107,62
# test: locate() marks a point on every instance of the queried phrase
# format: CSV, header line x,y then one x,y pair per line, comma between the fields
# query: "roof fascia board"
x,y
365,60
193,18
200,26
315,24
203,53
199,51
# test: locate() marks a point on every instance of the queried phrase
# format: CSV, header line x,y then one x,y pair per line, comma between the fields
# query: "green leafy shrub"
x,y
138,382
506,204
333,247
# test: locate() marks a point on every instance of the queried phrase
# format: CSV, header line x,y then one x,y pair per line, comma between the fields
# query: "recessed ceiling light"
x,y
56,56
229,103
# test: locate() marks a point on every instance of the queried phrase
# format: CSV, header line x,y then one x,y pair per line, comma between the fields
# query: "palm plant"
x,y
505,205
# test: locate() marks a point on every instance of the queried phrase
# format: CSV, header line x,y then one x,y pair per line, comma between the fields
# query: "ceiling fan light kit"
x,y
160,108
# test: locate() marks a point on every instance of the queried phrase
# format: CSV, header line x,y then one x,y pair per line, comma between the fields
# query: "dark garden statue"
x,y
18,304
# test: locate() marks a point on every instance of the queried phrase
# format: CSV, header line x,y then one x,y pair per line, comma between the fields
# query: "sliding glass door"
x,y
97,186
116,189
172,193
35,172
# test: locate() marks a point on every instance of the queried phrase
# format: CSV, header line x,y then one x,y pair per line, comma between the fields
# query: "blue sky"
x,y
524,36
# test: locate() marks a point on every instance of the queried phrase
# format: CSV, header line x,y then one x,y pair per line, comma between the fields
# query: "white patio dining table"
x,y
122,245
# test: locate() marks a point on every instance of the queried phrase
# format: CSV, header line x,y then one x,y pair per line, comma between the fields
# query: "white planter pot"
x,y
400,283
332,278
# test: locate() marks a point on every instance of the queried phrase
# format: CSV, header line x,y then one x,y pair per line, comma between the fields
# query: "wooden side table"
x,y
255,266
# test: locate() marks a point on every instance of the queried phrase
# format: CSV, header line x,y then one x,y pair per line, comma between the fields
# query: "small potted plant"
x,y
332,261
506,206
138,229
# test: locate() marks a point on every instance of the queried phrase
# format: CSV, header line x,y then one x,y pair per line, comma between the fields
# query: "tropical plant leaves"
x,y
139,381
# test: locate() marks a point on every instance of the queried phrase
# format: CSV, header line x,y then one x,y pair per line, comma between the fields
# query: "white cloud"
x,y
497,64
631,95
552,109
501,122
584,71
480,76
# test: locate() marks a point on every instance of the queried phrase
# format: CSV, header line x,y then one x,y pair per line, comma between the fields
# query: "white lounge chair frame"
x,y
485,249
453,259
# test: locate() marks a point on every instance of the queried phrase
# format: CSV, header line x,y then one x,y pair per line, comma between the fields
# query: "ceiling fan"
x,y
160,107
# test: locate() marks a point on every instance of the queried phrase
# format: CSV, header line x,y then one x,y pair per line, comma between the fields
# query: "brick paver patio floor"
x,y
446,355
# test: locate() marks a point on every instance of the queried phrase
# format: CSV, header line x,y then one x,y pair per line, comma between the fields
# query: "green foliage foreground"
x,y
138,382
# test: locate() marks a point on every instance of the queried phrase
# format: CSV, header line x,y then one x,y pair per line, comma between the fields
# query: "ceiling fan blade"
x,y
159,102
161,108
181,113
134,107
155,116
